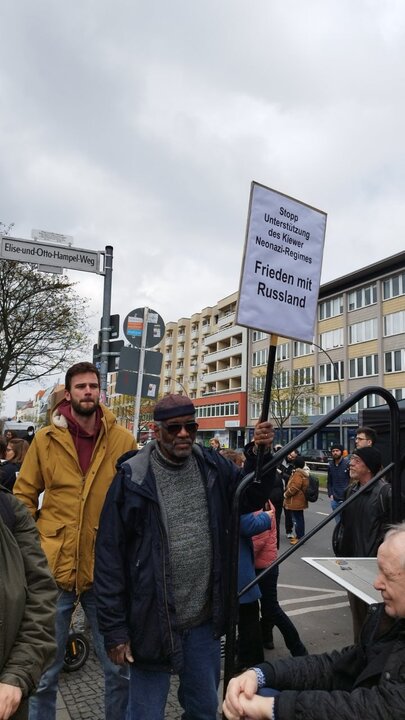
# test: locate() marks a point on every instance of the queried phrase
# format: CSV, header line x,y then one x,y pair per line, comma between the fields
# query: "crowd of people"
x,y
140,538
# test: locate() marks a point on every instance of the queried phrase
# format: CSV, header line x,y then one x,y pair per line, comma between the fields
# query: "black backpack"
x,y
312,491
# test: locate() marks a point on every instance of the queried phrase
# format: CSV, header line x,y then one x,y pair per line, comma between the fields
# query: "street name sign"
x,y
50,255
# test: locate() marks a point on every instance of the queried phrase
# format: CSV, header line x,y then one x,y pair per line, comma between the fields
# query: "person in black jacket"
x,y
366,680
16,451
338,477
162,566
365,520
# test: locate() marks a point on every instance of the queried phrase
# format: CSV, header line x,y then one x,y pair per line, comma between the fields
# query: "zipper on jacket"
x,y
164,585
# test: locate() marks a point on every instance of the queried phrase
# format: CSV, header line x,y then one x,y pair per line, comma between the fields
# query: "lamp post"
x,y
337,378
182,386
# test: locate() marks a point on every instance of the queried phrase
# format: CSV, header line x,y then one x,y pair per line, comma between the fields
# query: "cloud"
x,y
142,126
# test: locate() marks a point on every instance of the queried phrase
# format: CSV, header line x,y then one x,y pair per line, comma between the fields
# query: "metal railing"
x,y
397,512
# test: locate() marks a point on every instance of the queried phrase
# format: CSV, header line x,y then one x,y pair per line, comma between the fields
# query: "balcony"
x,y
223,374
227,319
224,353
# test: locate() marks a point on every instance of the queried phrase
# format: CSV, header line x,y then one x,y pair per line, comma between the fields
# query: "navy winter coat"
x,y
133,584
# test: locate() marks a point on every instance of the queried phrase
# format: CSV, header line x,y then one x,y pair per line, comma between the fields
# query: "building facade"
x,y
359,341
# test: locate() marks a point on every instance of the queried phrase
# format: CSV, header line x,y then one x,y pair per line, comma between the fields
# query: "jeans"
x,y
199,680
43,703
298,517
335,504
273,614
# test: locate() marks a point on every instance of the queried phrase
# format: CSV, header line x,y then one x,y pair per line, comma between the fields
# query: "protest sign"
x,y
282,264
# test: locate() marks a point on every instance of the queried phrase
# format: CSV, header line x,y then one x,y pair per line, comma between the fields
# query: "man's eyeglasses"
x,y
175,428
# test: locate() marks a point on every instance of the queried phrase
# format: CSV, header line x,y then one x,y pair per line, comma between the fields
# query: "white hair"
x,y
392,532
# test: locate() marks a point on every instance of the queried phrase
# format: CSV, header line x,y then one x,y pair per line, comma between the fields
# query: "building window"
x,y
302,348
398,393
329,372
363,366
258,335
363,297
260,357
256,410
280,408
394,323
258,383
304,376
394,361
394,286
282,379
329,402
283,352
217,410
330,308
305,406
363,331
366,402
331,339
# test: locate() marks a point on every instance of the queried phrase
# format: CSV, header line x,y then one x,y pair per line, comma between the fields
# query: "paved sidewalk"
x,y
81,694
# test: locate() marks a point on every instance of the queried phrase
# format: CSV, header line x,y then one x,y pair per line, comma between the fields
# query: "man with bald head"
x,y
366,680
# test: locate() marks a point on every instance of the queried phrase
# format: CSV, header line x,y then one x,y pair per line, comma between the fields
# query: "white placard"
x,y
282,262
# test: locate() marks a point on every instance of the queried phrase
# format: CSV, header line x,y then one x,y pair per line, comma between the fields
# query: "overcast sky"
x,y
142,125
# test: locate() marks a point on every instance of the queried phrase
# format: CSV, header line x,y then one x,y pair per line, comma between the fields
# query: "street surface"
x,y
316,605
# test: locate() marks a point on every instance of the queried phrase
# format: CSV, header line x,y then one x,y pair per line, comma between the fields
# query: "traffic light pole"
x,y
105,325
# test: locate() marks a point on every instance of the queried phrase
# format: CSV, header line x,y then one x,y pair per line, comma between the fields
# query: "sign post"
x,y
144,328
55,257
278,294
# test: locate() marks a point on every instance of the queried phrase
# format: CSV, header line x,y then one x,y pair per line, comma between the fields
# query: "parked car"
x,y
316,455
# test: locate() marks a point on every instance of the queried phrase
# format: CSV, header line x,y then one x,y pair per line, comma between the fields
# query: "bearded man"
x,y
72,462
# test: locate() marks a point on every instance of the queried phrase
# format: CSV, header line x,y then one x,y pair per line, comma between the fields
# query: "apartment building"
x,y
205,357
359,341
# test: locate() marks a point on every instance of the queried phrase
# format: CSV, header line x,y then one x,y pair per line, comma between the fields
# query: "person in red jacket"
x,y
265,552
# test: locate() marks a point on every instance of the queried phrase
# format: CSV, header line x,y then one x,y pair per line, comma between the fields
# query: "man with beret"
x,y
365,520
338,477
162,567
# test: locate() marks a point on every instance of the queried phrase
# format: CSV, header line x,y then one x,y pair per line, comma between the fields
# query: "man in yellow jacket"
x,y
72,462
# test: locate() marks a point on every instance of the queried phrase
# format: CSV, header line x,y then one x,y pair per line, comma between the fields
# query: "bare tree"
x,y
43,323
289,395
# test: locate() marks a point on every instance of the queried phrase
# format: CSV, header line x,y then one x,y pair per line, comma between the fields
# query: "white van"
x,y
24,430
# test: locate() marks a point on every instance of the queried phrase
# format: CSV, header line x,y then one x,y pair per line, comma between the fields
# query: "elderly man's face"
x,y
359,472
390,580
176,436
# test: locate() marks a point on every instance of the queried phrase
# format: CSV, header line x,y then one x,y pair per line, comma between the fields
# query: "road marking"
x,y
316,608
310,598
318,512
305,587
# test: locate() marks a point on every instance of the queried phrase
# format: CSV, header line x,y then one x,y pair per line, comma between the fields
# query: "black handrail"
x,y
394,467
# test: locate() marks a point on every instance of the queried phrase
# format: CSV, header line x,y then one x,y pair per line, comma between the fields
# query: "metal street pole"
x,y
105,325
337,378
140,372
